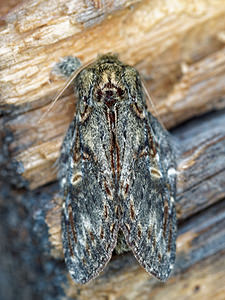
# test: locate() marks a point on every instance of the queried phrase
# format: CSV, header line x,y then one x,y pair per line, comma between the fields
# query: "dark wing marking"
x,y
89,227
149,216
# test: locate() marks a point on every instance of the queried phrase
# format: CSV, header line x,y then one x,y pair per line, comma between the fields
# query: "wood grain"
x,y
184,74
200,249
161,40
179,49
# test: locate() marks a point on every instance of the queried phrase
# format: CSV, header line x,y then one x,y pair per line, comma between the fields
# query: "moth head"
x,y
102,81
109,81
93,74
108,58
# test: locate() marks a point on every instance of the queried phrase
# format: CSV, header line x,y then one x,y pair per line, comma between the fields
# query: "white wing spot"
x,y
63,181
74,260
72,271
171,172
86,222
155,172
76,178
157,157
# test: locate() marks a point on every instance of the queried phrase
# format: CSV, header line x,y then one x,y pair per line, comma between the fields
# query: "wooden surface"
x,y
179,50
199,269
185,75
201,238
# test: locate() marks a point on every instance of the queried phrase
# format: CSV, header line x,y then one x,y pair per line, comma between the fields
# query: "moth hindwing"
x,y
117,174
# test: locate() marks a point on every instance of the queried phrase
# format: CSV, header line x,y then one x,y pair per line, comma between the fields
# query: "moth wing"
x,y
149,220
89,228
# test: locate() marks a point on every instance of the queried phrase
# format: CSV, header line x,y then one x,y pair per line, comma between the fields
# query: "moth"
x,y
117,175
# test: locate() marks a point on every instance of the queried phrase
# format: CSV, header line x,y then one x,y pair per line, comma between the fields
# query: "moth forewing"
x,y
116,175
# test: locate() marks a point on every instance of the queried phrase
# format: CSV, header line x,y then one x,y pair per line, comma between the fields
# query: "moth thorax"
x,y
110,94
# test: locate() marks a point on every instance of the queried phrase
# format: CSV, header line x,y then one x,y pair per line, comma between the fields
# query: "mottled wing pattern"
x,y
117,171
88,223
149,217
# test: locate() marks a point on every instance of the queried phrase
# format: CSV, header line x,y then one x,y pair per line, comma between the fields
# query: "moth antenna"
x,y
67,84
152,103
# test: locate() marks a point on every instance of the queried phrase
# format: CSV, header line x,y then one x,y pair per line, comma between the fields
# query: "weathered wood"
x,y
168,44
193,94
35,146
201,171
198,239
179,50
184,80
200,258
5,7
201,160
201,184
202,281
201,164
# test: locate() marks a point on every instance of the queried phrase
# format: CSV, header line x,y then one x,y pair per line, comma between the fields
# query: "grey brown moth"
x,y
117,175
